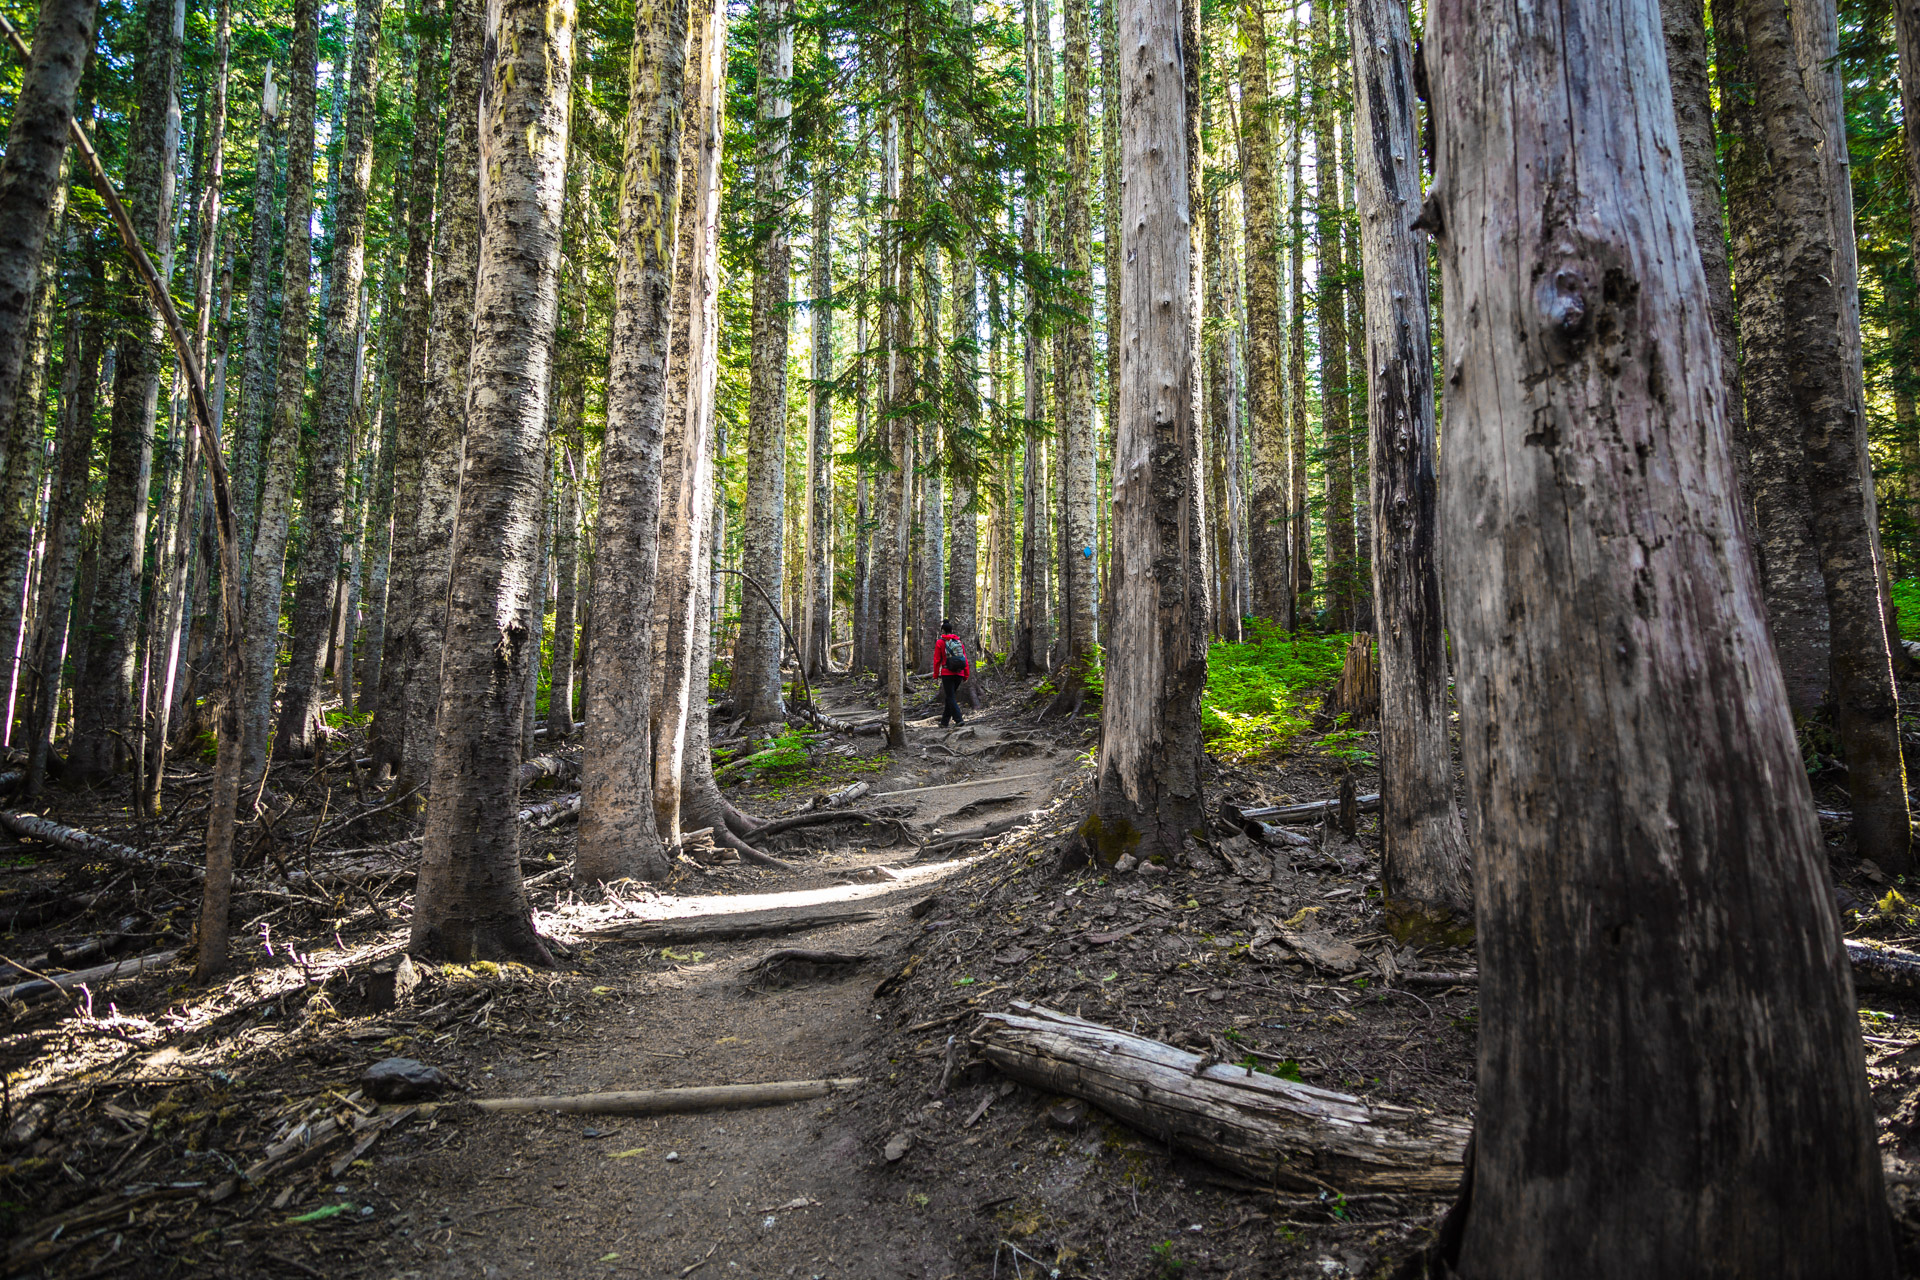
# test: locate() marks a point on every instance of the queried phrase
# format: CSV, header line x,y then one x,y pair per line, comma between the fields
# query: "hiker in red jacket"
x,y
951,665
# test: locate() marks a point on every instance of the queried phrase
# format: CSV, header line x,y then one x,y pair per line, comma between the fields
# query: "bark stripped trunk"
x,y
282,445
817,582
324,505
36,150
409,399
103,706
448,355
1636,792
757,652
683,785
1815,303
1148,799
619,837
469,901
1425,862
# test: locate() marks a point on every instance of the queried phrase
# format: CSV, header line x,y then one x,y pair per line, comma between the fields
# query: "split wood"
x,y
662,933
1275,1131
646,1102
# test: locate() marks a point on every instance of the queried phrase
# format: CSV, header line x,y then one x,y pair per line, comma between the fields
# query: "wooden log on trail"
x,y
746,924
74,840
68,981
651,1102
1276,1132
1297,814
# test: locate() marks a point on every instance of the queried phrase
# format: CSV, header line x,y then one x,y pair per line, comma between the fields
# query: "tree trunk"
x,y
32,176
1075,374
1330,312
1425,862
103,706
929,559
1635,790
409,397
324,504
281,452
448,354
817,621
1814,303
681,612
890,535
571,451
1148,798
1270,536
864,641
963,548
379,532
1684,25
254,399
1030,633
756,655
469,902
1300,503
619,837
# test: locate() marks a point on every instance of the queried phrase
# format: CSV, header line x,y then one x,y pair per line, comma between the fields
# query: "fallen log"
x,y
1876,967
1297,814
946,842
1268,833
649,1102
551,813
746,924
74,840
548,766
844,797
1276,1132
99,973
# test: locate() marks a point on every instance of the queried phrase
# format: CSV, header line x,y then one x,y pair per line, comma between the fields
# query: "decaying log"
x,y
99,973
846,796
1882,968
74,840
745,924
1276,1132
1296,814
1267,833
562,768
648,1102
552,813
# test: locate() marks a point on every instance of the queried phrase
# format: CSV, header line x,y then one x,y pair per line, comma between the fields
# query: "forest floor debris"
x,y
154,1129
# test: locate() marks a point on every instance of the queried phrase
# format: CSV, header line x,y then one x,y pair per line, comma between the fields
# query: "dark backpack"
x,y
954,657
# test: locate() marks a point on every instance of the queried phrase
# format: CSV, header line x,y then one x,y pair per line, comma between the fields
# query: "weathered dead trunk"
x,y
1148,799
469,902
619,837
1425,861
1635,791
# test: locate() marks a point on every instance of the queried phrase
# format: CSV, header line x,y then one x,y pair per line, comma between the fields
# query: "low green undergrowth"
x,y
782,757
1906,603
1260,693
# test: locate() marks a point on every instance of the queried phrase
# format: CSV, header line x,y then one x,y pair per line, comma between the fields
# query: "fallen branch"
x,y
1274,1131
949,786
954,840
99,973
551,813
648,1102
845,796
664,933
74,840
1297,814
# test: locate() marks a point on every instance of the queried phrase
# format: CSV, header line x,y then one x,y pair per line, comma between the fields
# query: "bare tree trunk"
x,y
1148,797
448,354
1270,535
1599,596
619,837
254,398
103,706
469,901
1030,633
756,655
324,506
379,532
32,178
571,450
864,658
817,585
1330,312
963,548
683,784
1815,304
1425,863
1300,505
929,558
409,400
890,536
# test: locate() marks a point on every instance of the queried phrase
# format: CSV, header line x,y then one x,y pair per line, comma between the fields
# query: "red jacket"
x,y
940,657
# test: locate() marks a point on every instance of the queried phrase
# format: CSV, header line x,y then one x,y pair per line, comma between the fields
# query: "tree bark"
x,y
817,620
1815,305
103,706
1425,861
1148,799
254,397
1300,503
32,173
1635,790
1030,641
409,398
619,836
1075,373
470,902
890,535
324,502
1270,535
281,452
1330,313
571,450
756,656
445,409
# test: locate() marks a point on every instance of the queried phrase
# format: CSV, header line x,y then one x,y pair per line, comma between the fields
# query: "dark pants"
x,y
951,707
